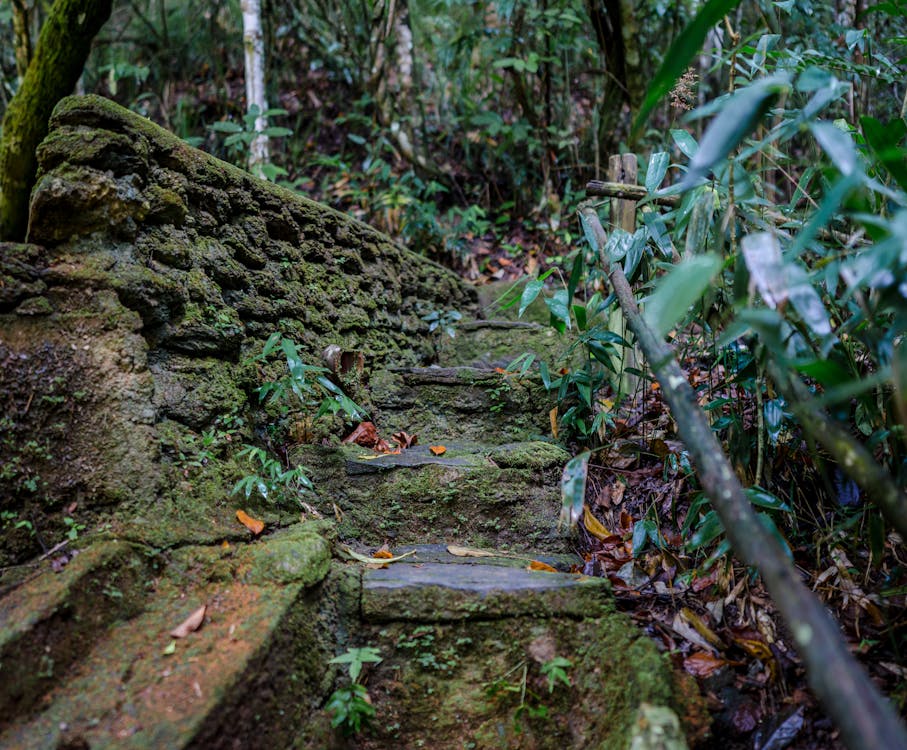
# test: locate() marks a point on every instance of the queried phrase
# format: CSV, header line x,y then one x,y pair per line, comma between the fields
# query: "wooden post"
x,y
622,169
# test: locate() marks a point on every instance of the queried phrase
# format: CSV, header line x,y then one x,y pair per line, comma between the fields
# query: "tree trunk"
x,y
63,47
253,44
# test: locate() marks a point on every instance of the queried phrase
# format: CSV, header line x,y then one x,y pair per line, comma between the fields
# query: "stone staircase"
x,y
88,662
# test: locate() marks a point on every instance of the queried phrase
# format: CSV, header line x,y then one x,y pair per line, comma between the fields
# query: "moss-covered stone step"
x,y
453,588
504,496
261,652
465,403
496,343
468,646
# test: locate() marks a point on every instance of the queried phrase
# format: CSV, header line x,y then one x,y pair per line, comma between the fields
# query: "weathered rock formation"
x,y
154,272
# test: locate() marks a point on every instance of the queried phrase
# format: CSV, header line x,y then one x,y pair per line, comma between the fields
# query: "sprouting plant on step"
x,y
555,670
270,479
351,708
305,387
443,320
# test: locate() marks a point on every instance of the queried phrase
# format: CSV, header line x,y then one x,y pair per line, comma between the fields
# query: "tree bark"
x,y
253,46
866,719
63,47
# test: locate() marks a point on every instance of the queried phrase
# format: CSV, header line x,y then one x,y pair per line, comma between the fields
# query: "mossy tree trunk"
x,y
63,46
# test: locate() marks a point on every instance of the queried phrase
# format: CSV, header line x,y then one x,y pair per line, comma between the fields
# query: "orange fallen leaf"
x,y
252,524
384,553
552,416
365,434
192,623
544,567
437,449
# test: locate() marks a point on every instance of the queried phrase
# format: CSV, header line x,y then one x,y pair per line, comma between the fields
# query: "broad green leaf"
x,y
685,142
678,58
573,490
532,290
700,222
738,117
838,145
576,274
640,534
886,142
680,288
658,232
658,167
764,499
226,127
707,531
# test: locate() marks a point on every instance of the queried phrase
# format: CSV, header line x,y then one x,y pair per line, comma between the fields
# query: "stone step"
x,y
48,620
499,496
497,343
132,685
464,403
434,585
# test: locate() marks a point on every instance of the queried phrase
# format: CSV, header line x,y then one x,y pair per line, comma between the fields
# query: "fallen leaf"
x,y
594,526
453,549
544,567
699,624
365,434
192,623
384,553
252,524
437,449
352,554
552,417
171,649
404,439
702,664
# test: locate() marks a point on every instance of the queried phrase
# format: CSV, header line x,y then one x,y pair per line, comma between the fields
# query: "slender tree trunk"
x,y
63,47
253,44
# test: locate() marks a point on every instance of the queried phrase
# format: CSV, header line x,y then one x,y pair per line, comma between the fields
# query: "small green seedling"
x,y
556,671
351,707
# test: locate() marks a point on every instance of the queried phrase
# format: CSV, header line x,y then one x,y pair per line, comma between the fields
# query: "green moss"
x,y
300,558
532,455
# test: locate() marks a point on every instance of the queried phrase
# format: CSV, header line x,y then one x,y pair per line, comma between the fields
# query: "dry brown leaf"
x,y
702,664
384,553
552,417
438,450
404,439
704,630
192,623
365,434
252,524
453,549
543,567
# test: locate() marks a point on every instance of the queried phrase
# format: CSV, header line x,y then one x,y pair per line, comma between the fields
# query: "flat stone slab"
x,y
441,592
438,553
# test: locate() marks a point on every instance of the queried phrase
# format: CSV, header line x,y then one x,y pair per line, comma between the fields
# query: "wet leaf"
x,y
573,490
252,524
540,566
453,549
438,450
192,623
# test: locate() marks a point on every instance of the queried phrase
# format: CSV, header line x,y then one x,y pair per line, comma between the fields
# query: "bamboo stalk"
x,y
866,719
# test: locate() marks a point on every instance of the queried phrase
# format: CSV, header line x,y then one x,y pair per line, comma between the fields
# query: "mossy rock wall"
x,y
153,271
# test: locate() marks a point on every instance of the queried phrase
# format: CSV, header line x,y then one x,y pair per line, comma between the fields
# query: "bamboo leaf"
x,y
680,288
573,490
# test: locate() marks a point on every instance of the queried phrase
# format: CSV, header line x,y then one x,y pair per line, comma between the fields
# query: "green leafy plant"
x,y
270,479
239,137
351,708
555,670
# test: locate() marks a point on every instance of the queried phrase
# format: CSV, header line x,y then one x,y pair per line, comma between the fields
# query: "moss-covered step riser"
x,y
48,622
489,496
460,403
271,625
